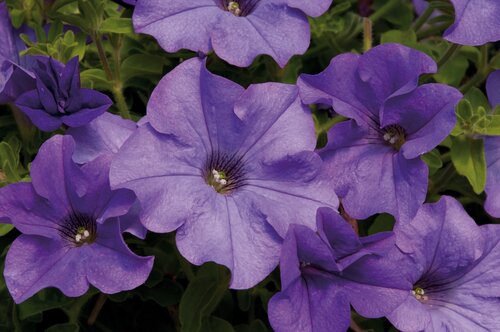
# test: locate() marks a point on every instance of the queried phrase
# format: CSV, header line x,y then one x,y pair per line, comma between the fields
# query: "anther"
x,y
234,8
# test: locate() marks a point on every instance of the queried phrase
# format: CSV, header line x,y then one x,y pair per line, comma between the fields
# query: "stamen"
x,y
78,229
234,7
225,173
419,294
395,135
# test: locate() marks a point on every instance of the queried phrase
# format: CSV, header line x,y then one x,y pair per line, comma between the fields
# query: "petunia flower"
x,y
228,168
15,78
69,220
323,273
374,159
452,265
477,22
492,152
237,31
58,98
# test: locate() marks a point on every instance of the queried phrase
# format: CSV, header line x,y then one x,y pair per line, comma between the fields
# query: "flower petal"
x,y
197,108
104,135
34,263
493,88
477,22
273,29
29,104
91,104
371,177
427,114
231,231
312,8
113,267
492,188
177,24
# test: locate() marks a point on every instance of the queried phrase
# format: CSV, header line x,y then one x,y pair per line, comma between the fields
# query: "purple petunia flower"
x,y
14,75
237,31
477,22
70,220
492,151
228,168
323,273
58,98
453,266
104,136
374,158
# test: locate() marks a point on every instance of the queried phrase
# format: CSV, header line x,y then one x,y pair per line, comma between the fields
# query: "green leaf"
x,y
408,37
256,326
477,98
433,160
467,155
68,327
165,293
117,25
95,79
215,324
383,223
44,300
5,228
202,296
453,71
141,65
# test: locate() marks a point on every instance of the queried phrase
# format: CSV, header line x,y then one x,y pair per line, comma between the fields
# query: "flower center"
x,y
225,173
419,294
78,229
394,135
239,7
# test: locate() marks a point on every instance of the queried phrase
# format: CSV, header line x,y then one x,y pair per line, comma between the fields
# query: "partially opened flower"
x,y
58,98
69,220
228,168
452,265
492,151
237,31
15,77
477,22
374,158
324,273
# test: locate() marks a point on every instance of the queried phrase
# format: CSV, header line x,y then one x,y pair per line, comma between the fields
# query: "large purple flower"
x,y
14,76
70,220
58,98
323,273
492,151
228,168
452,265
236,30
477,22
374,158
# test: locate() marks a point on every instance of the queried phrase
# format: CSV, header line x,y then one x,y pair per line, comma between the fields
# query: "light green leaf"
x,y
467,155
117,25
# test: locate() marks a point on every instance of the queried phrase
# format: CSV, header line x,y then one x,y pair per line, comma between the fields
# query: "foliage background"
x,y
127,66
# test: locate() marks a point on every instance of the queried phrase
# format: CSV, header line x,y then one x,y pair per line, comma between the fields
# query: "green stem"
x,y
121,104
97,309
367,34
102,56
450,52
423,18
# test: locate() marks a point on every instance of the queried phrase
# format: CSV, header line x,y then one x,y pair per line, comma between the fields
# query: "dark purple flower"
x,y
323,273
237,31
228,168
58,98
14,76
453,267
104,136
70,220
492,151
374,159
477,22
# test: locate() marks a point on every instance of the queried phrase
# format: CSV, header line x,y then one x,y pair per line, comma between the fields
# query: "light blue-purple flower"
x,y
58,97
228,168
374,158
237,31
69,220
324,273
103,137
477,22
15,78
453,267
492,151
